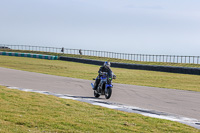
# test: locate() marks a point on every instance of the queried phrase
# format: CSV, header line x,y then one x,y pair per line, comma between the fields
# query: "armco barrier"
x,y
40,56
171,69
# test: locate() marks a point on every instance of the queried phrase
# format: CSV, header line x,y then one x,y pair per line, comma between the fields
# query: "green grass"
x,y
109,59
22,112
86,71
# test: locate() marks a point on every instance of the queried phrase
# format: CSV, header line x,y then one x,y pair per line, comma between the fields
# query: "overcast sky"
x,y
130,26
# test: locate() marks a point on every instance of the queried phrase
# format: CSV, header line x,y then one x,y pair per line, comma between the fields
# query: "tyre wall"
x,y
171,69
40,56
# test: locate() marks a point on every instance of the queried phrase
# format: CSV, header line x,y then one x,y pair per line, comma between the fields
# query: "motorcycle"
x,y
105,85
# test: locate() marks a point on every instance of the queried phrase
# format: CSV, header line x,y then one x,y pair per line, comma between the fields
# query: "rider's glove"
x,y
100,73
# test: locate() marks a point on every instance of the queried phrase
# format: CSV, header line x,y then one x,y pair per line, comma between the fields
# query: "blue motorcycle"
x,y
105,85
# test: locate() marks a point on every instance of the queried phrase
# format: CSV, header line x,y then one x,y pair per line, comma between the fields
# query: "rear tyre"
x,y
96,94
108,93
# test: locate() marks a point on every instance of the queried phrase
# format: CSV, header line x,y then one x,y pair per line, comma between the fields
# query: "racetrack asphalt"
x,y
179,102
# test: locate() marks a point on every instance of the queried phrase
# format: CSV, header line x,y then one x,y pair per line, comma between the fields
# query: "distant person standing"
x,y
62,50
80,52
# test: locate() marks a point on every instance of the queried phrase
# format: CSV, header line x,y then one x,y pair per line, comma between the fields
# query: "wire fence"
x,y
125,56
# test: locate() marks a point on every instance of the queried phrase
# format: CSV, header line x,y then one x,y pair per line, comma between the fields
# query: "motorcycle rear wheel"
x,y
96,94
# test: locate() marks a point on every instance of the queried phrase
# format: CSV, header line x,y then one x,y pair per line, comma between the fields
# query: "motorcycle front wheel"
x,y
108,93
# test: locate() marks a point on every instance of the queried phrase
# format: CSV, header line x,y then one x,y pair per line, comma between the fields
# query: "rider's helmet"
x,y
107,64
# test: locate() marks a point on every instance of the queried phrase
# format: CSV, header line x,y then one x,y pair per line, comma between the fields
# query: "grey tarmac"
x,y
179,102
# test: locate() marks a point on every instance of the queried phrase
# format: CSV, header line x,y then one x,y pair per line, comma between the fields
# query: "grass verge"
x,y
86,71
33,112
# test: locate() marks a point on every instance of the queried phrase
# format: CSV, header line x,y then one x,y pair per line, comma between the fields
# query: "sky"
x,y
170,27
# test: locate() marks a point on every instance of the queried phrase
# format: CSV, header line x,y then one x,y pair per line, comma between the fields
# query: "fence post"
x,y
125,56
153,58
146,57
143,57
149,58
181,59
140,56
185,59
189,59
170,59
137,57
193,59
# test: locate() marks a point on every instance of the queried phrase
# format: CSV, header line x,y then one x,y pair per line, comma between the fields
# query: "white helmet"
x,y
107,64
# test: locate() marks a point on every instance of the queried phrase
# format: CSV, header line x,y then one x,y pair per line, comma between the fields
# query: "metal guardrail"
x,y
125,56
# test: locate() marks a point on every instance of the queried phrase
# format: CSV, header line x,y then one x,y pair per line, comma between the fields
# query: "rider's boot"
x,y
95,86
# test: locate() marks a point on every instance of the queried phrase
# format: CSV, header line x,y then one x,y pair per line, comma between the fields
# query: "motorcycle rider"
x,y
104,68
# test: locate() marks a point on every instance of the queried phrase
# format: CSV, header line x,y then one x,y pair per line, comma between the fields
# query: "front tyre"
x,y
96,94
108,93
